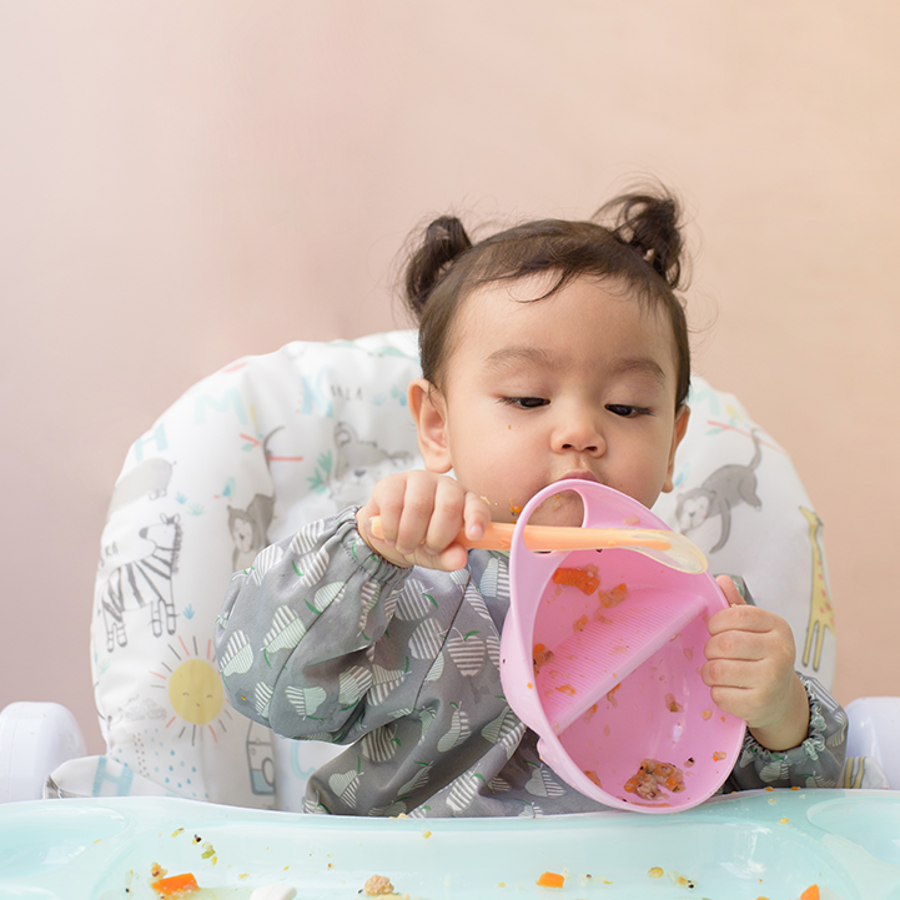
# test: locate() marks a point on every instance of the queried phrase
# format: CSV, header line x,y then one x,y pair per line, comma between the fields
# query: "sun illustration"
x,y
195,690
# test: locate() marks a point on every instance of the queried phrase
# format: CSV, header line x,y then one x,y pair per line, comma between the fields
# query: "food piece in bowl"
x,y
614,596
583,579
653,777
540,656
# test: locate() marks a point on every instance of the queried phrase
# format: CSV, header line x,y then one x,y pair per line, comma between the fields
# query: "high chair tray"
x,y
772,844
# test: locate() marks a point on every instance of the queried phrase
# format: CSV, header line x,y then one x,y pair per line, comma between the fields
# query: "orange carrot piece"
x,y
811,893
176,885
550,879
584,581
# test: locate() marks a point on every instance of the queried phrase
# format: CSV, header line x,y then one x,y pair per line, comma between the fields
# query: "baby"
x,y
550,351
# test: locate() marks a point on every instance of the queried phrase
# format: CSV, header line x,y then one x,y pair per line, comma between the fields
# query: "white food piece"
x,y
274,892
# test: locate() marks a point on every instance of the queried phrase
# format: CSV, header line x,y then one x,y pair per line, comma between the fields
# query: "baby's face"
x,y
580,384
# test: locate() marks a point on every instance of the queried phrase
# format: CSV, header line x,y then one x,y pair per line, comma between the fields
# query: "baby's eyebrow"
x,y
509,356
642,365
542,358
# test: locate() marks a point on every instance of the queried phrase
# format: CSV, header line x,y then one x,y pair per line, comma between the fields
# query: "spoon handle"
x,y
669,547
498,536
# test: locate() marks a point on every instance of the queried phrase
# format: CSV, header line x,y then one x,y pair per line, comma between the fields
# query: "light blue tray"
x,y
757,844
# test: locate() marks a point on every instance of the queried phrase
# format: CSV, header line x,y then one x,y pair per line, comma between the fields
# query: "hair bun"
x,y
445,239
651,225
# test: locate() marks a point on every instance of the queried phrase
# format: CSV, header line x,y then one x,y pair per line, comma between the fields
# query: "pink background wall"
x,y
182,184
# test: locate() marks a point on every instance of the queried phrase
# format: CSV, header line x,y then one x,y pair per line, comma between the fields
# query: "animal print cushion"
x,y
269,443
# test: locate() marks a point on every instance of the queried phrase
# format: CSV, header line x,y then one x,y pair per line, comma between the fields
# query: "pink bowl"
x,y
611,678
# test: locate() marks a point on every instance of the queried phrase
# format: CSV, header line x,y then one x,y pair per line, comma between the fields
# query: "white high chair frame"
x,y
271,442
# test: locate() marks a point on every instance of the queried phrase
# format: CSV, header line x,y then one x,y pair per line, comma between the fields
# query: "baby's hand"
x,y
750,670
421,515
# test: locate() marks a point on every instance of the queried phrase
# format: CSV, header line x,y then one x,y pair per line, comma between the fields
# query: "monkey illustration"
x,y
719,494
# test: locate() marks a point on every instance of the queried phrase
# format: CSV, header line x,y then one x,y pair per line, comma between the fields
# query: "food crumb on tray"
x,y
380,886
551,880
173,886
680,880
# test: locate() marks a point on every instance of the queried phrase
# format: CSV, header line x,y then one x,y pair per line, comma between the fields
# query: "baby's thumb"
x,y
732,594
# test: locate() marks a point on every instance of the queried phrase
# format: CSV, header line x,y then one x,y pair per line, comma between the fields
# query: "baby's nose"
x,y
582,447
579,434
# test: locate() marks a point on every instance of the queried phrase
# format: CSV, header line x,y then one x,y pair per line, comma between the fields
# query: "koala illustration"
x,y
250,527
360,464
250,530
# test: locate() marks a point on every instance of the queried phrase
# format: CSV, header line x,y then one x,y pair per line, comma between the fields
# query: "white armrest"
x,y
875,731
34,739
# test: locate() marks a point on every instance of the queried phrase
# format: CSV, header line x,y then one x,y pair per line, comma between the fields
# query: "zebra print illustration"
x,y
144,582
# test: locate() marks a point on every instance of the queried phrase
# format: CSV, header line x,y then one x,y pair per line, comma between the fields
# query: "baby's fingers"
x,y
729,589
447,517
400,528
456,512
417,514
477,516
739,641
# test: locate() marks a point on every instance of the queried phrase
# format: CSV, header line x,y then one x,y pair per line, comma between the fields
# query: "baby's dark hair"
x,y
642,249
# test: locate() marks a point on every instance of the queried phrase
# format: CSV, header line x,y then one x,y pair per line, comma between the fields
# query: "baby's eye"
x,y
627,411
525,402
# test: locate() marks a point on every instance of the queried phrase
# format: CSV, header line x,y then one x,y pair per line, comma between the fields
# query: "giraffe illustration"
x,y
821,613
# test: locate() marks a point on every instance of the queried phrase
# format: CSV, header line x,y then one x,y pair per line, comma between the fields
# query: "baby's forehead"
x,y
514,333
534,296
532,287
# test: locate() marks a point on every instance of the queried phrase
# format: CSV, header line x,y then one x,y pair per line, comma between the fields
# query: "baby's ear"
x,y
682,417
429,412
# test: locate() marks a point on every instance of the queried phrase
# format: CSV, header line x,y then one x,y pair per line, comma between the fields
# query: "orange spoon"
x,y
668,547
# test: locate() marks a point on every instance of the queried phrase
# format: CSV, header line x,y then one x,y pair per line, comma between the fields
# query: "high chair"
x,y
269,443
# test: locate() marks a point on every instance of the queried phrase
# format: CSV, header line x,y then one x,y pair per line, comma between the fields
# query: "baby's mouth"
x,y
580,475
